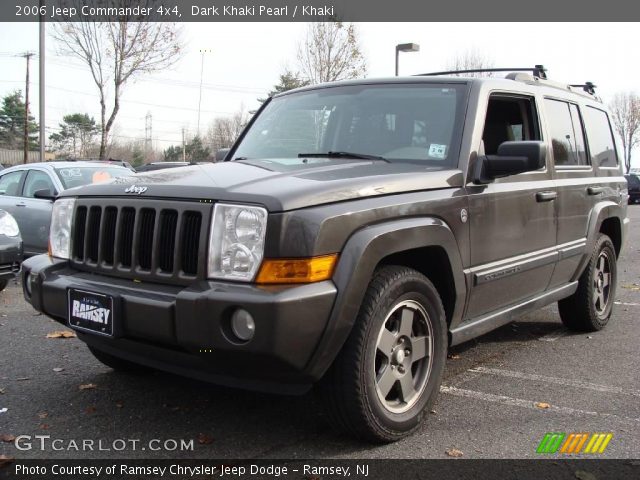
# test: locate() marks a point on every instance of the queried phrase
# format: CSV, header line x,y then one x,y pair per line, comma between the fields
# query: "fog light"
x,y
242,325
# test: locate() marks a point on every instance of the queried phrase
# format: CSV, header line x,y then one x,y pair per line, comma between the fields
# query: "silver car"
x,y
27,192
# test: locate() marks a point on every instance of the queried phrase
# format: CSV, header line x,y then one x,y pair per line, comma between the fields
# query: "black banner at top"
x,y
320,10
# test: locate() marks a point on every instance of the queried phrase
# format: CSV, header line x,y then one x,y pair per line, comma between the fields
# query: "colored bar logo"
x,y
573,443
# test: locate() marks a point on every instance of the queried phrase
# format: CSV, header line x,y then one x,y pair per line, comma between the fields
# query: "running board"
x,y
481,325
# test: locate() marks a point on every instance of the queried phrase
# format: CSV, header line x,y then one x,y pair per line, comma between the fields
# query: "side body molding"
x,y
362,253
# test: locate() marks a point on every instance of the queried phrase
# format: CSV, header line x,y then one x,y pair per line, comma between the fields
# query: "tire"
x,y
401,310
589,308
116,363
3,283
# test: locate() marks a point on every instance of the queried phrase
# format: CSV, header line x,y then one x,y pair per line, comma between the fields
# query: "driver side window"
x,y
509,118
37,180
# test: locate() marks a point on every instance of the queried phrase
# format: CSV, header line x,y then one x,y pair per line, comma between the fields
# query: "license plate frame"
x,y
93,307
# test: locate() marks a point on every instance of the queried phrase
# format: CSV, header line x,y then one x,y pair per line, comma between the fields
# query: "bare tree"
x,y
471,60
330,52
224,131
116,52
625,112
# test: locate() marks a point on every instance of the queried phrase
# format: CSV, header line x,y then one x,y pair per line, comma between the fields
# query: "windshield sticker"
x,y
70,172
100,176
437,151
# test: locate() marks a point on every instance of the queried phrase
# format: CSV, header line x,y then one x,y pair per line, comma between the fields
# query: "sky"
x,y
243,62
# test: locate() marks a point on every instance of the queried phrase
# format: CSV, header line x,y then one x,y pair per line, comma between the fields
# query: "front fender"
x,y
362,253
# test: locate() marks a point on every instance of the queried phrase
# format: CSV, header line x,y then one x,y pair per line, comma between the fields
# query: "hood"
x,y
279,184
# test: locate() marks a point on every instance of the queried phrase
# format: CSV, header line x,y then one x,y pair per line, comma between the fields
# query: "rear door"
x,y
578,186
10,188
512,219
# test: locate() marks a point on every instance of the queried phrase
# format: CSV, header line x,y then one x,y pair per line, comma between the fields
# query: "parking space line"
x,y
530,404
565,382
628,304
555,335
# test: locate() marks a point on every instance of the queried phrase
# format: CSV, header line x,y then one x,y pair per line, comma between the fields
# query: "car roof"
x,y
506,82
64,164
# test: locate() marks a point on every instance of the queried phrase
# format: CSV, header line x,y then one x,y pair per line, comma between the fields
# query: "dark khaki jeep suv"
x,y
353,232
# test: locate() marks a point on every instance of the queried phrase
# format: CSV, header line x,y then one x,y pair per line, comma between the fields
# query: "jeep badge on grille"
x,y
136,189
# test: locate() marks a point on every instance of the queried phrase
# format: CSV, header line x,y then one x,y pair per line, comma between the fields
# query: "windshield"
x,y
419,123
77,176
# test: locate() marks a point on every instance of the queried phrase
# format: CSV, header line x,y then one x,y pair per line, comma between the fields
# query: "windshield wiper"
x,y
359,156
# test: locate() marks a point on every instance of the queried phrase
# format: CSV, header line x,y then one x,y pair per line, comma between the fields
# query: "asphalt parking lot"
x,y
501,394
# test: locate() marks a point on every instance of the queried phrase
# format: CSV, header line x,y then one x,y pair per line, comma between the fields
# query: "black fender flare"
x,y
361,254
599,213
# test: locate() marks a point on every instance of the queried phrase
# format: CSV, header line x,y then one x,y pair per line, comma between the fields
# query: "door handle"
x,y
547,196
595,190
21,204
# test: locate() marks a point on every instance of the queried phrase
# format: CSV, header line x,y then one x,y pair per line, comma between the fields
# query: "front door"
x,y
512,220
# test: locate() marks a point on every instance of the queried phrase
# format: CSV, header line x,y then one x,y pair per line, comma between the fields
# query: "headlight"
x,y
60,233
236,241
8,225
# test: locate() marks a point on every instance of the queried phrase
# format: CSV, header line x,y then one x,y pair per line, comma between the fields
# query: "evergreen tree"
x,y
77,134
288,81
12,124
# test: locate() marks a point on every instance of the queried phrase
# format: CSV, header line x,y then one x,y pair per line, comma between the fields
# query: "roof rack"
x,y
588,87
538,71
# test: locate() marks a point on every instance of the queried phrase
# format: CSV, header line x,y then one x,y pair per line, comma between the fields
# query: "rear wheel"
x,y
116,363
389,371
589,308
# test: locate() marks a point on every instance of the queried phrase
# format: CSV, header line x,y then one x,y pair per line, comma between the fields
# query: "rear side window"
x,y
567,138
10,183
600,136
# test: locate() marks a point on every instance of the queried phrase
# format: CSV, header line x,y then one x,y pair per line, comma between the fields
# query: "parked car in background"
x,y
10,248
110,161
634,188
27,192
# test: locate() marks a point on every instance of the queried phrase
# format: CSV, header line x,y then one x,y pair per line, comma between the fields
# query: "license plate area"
x,y
91,312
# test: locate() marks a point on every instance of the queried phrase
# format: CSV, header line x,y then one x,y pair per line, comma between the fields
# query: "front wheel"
x,y
589,308
389,371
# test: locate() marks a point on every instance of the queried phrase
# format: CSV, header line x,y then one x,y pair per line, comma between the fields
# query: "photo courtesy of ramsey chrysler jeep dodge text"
x,y
352,234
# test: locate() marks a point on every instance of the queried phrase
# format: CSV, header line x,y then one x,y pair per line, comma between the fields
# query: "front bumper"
x,y
183,330
10,256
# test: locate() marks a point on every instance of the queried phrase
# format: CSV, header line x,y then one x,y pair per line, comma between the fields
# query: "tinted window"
x,y
37,180
601,143
10,183
398,122
567,145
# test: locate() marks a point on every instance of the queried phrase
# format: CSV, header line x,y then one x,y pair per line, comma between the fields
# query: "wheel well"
x,y
434,264
611,228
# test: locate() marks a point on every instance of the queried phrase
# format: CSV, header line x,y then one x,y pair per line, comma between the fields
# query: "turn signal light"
x,y
297,270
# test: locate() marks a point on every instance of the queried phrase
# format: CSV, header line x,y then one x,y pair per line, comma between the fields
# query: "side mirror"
x,y
45,194
512,158
222,154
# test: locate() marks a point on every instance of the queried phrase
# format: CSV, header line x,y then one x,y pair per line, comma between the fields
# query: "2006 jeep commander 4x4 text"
x,y
354,232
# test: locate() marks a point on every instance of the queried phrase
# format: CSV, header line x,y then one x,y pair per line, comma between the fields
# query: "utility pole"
x,y
184,148
202,52
28,56
147,136
41,80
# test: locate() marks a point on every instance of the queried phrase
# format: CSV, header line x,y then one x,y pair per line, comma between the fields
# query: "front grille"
x,y
159,240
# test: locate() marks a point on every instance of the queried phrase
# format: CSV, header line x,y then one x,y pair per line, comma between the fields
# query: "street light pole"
x,y
404,47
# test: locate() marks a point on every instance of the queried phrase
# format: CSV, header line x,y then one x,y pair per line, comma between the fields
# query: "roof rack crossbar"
x,y
588,87
538,71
